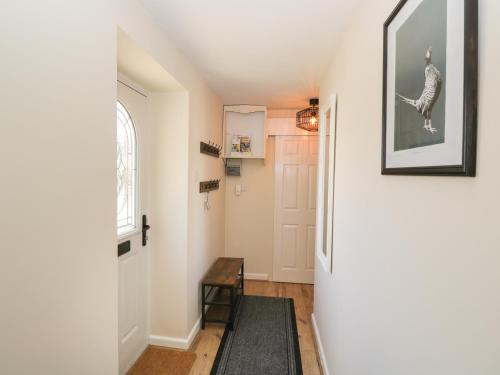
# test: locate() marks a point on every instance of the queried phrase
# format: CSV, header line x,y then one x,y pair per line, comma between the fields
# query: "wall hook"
x,y
209,185
210,148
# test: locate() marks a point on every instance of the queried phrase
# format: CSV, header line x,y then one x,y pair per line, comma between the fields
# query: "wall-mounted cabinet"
x,y
245,132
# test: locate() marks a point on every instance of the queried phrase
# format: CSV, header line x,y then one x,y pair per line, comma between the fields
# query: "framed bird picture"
x,y
430,88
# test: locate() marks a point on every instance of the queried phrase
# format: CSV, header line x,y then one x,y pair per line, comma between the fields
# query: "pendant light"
x,y
308,118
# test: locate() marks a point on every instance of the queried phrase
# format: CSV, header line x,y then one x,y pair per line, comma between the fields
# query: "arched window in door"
x,y
126,161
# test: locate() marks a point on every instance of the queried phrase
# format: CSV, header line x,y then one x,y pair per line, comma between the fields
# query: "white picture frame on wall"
x,y
326,182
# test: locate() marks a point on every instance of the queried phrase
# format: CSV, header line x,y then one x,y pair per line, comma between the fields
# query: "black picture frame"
x,y
470,102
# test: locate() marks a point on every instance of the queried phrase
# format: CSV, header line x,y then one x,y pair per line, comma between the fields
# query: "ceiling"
x,y
270,52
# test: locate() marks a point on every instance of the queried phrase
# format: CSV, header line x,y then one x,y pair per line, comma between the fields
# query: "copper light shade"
x,y
308,118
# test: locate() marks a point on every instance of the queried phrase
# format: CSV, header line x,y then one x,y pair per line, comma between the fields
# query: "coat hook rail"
x,y
206,186
210,149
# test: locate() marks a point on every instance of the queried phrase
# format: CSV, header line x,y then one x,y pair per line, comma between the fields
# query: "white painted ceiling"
x,y
271,52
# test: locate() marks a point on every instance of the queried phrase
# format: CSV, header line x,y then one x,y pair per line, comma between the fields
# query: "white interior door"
x,y
133,265
296,163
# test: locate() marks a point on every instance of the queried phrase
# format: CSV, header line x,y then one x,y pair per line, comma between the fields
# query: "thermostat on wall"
x,y
233,167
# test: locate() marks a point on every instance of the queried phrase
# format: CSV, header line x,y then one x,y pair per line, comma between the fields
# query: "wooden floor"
x,y
207,341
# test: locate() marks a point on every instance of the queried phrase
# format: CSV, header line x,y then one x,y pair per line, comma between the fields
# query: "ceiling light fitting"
x,y
308,118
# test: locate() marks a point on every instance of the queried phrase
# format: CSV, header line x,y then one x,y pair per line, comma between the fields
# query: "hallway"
x,y
338,148
207,342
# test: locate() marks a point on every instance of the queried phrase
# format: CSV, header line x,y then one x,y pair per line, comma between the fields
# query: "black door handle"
x,y
145,228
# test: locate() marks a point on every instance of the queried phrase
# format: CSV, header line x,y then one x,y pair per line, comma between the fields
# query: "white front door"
x,y
132,133
296,164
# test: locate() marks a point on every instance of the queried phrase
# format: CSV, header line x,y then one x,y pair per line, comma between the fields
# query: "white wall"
x,y
206,227
195,247
250,216
415,265
58,268
169,212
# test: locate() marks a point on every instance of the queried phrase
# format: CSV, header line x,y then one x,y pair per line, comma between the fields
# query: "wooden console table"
x,y
220,289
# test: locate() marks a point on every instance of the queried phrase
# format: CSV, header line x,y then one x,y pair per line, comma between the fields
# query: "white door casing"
x,y
295,208
133,267
326,182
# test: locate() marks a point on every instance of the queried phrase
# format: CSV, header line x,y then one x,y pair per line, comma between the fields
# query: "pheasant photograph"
x,y
430,94
429,108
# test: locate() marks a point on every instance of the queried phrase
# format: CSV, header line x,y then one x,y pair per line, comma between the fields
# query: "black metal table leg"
x,y
243,279
231,314
203,306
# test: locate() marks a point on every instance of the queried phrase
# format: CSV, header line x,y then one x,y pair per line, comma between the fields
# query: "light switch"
x,y
237,190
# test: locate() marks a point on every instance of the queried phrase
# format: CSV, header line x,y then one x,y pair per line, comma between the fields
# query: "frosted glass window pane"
x,y
126,171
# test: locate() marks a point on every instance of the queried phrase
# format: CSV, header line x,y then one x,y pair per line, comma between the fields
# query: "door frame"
x,y
330,105
275,269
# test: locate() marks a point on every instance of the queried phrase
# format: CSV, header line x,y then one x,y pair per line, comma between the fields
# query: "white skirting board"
x,y
319,346
185,343
175,342
257,276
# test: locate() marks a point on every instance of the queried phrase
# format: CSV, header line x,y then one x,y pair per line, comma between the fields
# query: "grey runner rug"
x,y
264,340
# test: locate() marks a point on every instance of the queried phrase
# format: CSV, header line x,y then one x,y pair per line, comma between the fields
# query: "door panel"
x,y
313,149
133,266
295,210
292,148
310,243
129,280
290,237
290,186
311,187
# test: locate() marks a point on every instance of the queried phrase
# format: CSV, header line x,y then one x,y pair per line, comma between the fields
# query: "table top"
x,y
224,272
